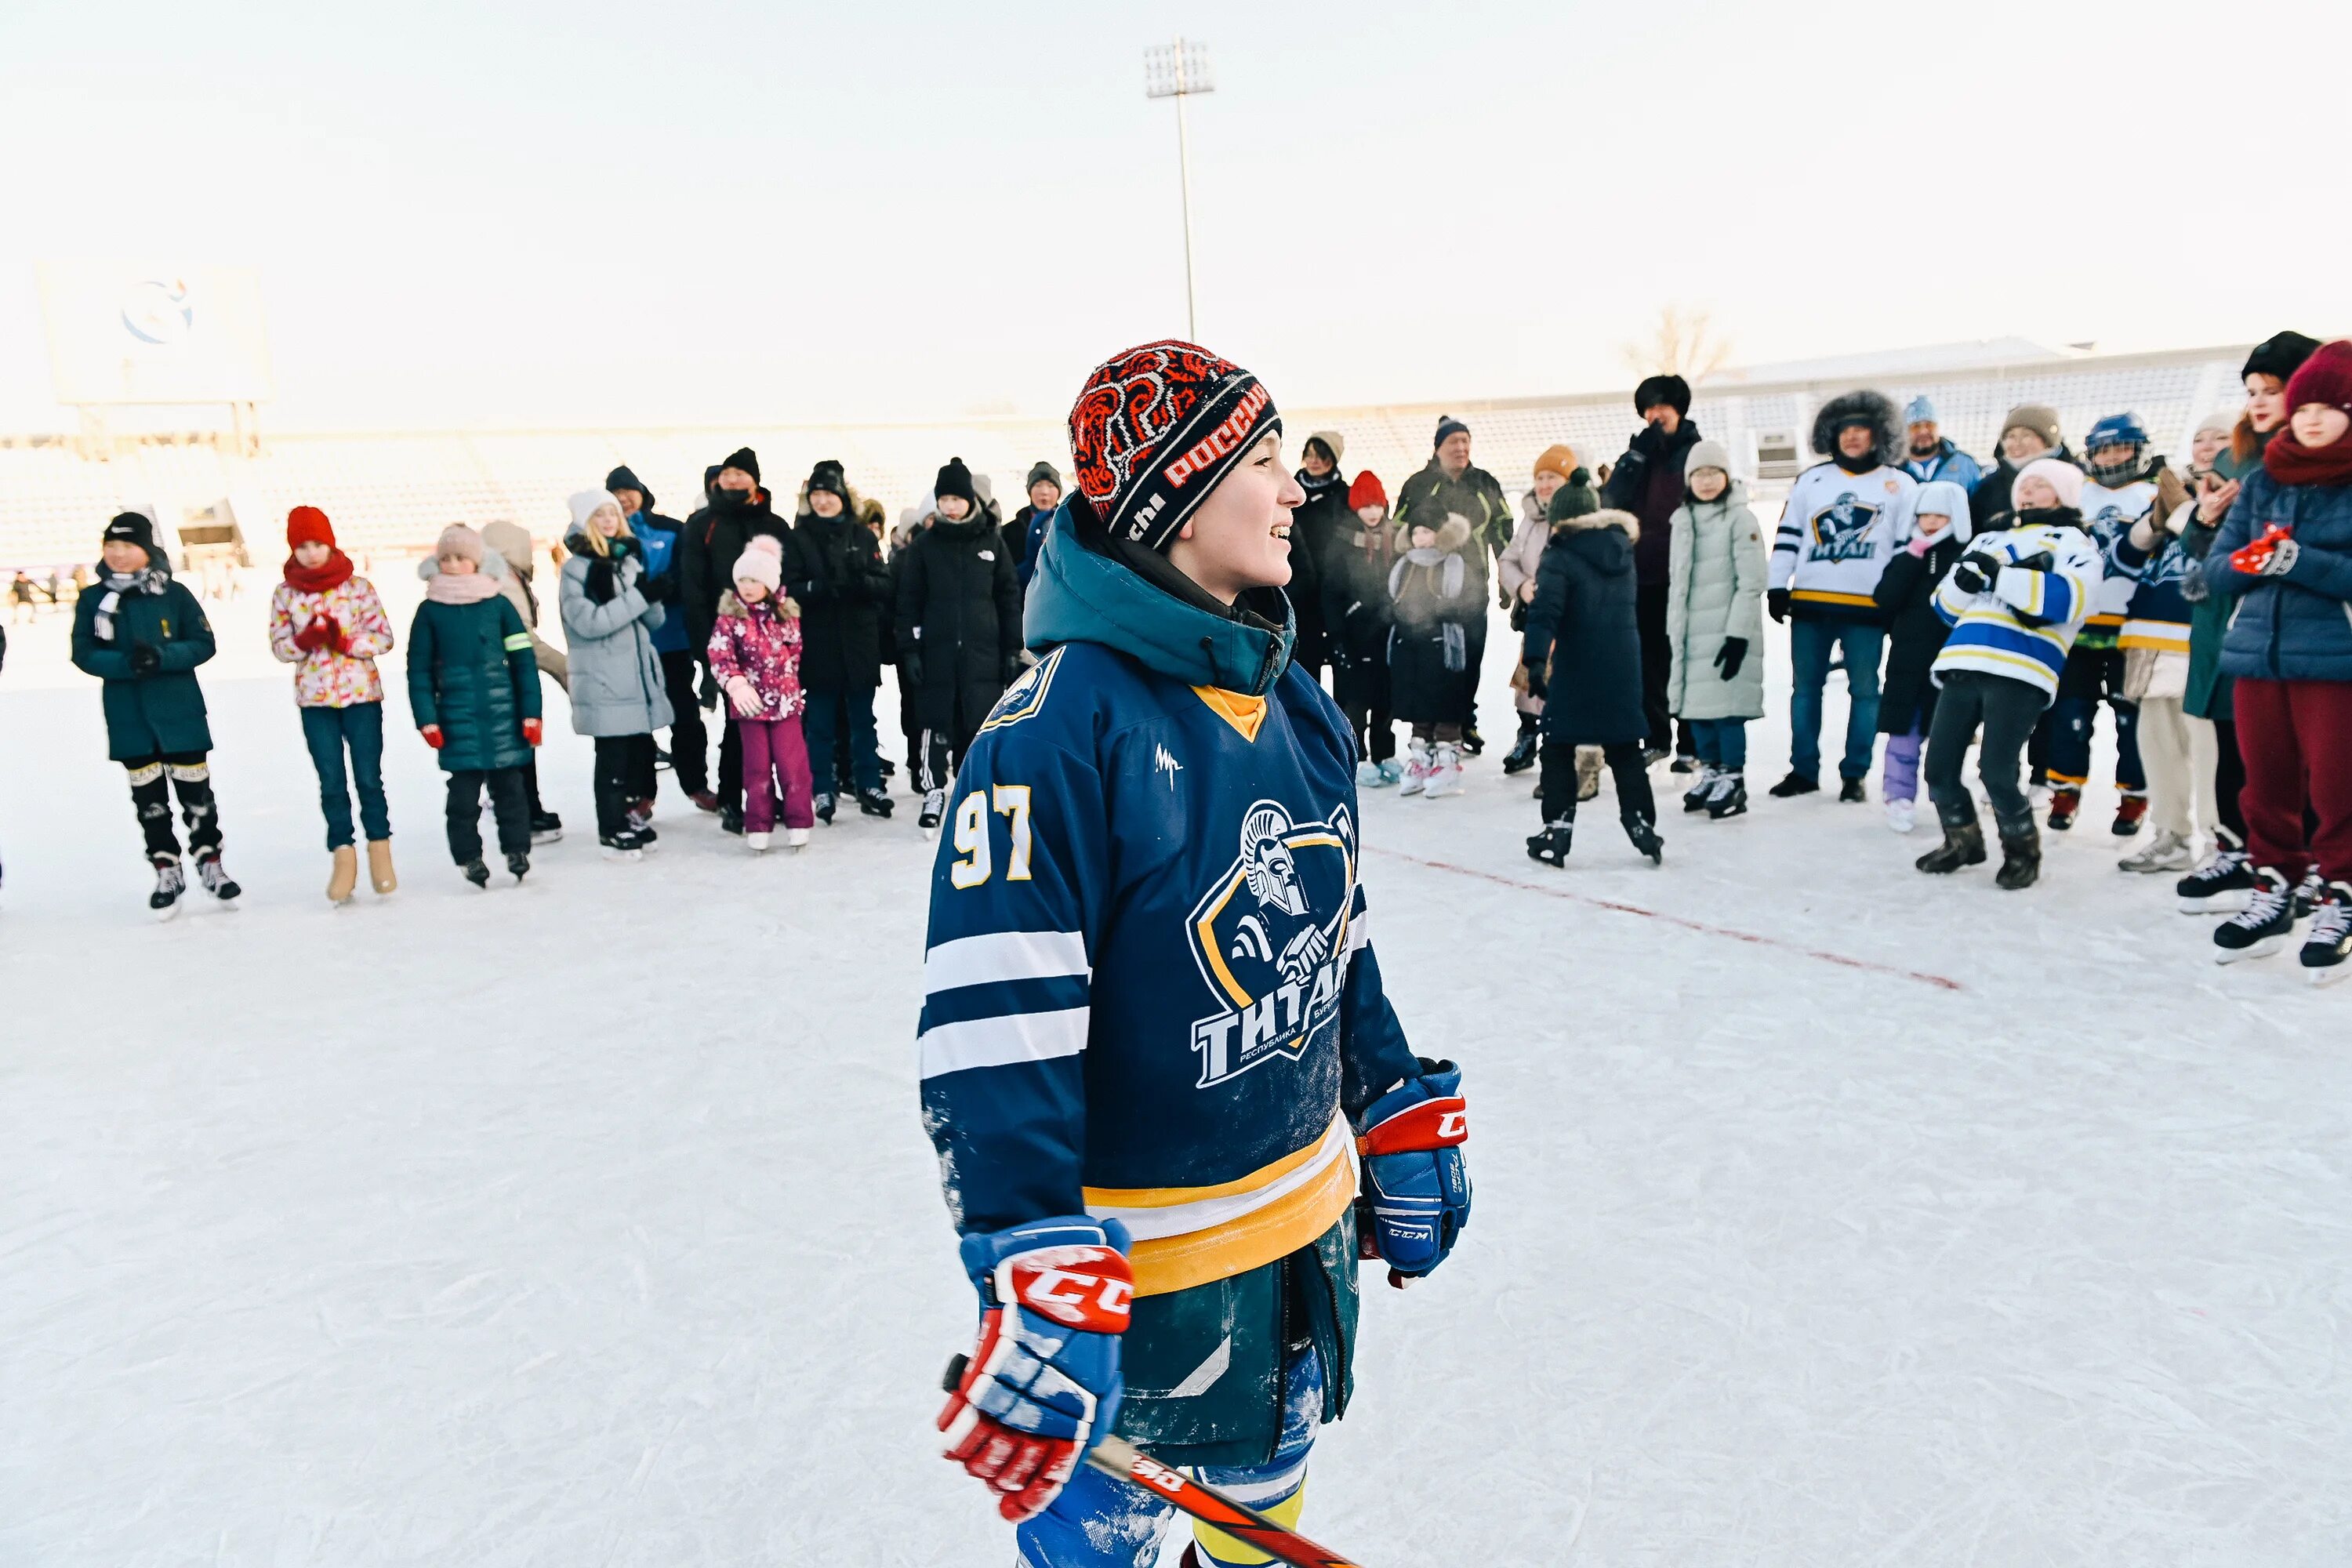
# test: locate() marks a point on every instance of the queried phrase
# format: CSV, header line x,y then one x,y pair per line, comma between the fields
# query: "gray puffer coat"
x,y
616,677
1718,564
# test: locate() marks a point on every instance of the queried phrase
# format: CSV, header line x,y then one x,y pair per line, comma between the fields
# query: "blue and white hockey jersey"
x,y
1837,532
1150,987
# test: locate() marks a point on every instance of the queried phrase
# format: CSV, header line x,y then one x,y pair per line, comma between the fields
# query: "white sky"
x,y
710,211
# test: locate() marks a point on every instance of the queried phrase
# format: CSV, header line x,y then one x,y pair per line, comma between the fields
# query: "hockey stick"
x,y
1116,1456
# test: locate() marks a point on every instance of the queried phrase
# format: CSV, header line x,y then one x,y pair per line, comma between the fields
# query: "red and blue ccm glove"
x,y
1044,1383
1416,1197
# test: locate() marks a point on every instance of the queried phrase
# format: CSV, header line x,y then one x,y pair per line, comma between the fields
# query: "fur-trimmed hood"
x,y
1607,517
1875,406
732,603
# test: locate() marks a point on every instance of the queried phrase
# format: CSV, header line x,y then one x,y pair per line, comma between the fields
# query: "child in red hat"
x,y
1359,614
328,623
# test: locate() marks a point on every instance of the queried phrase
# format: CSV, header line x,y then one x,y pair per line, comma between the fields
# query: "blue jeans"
x,y
1811,642
821,727
1722,742
1097,1522
328,731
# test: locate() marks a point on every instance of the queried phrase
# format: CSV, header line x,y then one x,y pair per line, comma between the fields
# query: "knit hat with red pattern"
x,y
308,525
2325,378
1153,431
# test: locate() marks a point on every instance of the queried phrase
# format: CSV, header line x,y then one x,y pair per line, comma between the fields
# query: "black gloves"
x,y
1731,656
2040,560
708,694
598,585
661,590
1776,601
1973,574
146,658
1537,685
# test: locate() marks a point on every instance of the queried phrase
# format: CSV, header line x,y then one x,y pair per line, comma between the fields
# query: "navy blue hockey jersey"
x,y
1149,987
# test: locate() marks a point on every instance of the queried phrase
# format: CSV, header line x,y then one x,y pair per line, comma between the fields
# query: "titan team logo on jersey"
x,y
1270,938
1026,695
1841,529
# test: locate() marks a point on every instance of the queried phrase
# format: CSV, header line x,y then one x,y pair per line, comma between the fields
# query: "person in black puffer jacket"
x,y
1906,595
738,507
1648,482
959,628
1583,628
834,568
1315,530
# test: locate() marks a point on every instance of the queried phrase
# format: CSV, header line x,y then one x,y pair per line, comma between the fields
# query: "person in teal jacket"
x,y
142,632
473,686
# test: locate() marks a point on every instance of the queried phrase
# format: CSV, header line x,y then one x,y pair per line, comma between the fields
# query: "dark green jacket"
x,y
1425,499
2210,693
151,715
471,671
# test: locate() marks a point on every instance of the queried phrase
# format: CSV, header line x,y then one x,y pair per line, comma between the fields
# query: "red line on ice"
x,y
1939,981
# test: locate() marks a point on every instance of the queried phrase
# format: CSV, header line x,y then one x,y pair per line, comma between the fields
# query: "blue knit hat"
x,y
1920,410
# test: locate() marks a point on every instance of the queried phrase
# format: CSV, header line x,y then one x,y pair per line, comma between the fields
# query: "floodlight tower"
x,y
1178,70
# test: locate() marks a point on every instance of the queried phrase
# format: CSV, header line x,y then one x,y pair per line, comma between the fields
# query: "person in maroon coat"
x,y
1648,482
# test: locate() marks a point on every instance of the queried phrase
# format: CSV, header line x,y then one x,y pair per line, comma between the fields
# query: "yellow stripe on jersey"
x,y
1190,1235
1246,714
1823,596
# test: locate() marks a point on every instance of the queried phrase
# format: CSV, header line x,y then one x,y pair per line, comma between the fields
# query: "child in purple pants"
x,y
755,656
1907,597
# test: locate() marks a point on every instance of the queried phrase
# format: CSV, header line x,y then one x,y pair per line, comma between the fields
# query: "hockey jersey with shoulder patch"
x,y
1837,532
2108,514
1149,987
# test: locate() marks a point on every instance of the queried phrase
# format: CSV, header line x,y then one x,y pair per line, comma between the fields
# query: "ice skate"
x,y
2222,884
730,818
1416,770
380,876
171,881
796,837
2328,943
1373,775
2307,894
1391,773
2167,851
2261,928
1728,798
2065,802
342,874
1444,774
874,802
1643,836
1903,816
2129,812
216,876
645,836
1694,798
1552,846
757,842
546,828
621,846
935,806
519,864
825,808
1522,756
476,872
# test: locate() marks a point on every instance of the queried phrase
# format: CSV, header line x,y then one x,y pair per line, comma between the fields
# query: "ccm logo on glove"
x,y
1088,1287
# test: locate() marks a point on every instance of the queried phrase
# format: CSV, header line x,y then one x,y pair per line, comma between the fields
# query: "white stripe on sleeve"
x,y
996,1042
1004,955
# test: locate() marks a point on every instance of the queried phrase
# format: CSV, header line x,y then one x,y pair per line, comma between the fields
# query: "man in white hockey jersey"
x,y
1844,520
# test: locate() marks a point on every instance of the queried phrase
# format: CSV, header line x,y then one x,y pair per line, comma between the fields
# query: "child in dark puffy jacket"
x,y
1438,600
755,658
1357,617
473,687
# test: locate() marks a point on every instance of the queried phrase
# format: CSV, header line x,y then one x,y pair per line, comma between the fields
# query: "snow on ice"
x,y
1825,1214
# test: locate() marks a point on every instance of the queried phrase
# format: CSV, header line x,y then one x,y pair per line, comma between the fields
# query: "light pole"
x,y
1178,70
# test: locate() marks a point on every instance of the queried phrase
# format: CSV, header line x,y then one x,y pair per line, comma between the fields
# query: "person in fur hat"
x,y
328,623
1648,482
1583,634
755,656
142,634
473,690
1838,530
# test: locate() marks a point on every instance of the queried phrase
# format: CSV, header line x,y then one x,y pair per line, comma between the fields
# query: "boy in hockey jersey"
x,y
1837,532
2014,603
1155,1040
2119,491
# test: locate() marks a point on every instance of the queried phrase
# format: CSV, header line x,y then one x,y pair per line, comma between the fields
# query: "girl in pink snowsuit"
x,y
755,656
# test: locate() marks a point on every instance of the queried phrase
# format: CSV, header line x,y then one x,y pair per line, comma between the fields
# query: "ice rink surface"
x,y
1826,1213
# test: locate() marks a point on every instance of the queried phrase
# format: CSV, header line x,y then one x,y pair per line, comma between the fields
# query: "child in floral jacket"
x,y
328,623
755,658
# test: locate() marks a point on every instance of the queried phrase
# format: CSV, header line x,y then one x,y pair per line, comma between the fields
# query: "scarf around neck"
x,y
2290,462
460,587
149,580
332,573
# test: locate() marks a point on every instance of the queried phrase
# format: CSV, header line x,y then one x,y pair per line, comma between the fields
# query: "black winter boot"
x,y
2021,855
1963,845
1796,783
